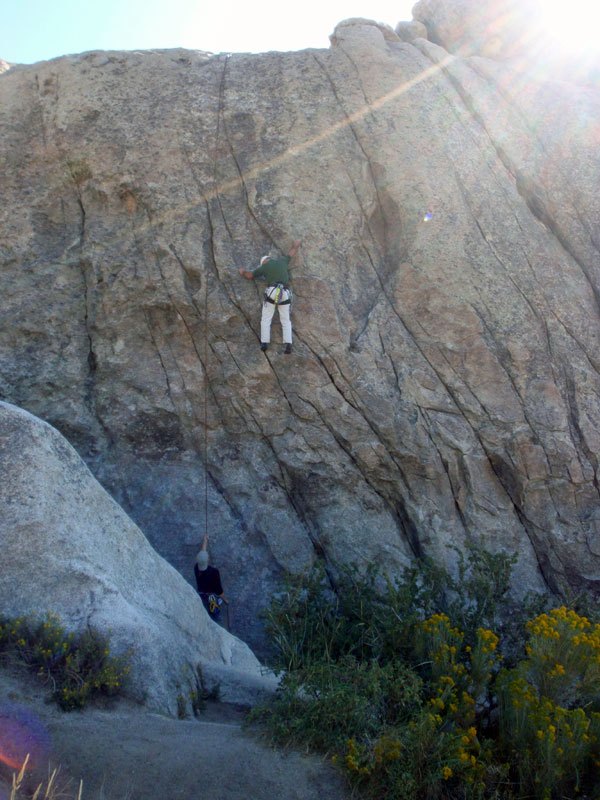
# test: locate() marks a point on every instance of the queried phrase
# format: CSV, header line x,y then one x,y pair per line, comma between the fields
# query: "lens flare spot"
x,y
22,734
428,217
573,28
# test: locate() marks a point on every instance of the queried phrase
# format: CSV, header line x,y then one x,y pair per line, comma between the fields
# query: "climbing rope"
x,y
216,194
206,401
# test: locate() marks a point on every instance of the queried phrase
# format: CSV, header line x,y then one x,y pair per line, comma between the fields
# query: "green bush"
x,y
325,704
549,722
78,667
437,687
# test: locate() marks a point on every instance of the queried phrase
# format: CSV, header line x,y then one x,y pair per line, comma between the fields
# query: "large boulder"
x,y
444,381
363,33
69,549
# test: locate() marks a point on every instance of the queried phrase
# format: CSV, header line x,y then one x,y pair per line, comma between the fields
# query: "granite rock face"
x,y
516,30
495,29
444,381
407,31
67,548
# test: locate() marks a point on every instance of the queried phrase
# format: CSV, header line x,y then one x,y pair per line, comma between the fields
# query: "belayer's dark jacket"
x,y
208,581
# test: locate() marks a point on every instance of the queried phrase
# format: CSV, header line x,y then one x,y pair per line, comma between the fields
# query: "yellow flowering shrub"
x,y
77,666
549,738
437,640
484,660
425,710
564,656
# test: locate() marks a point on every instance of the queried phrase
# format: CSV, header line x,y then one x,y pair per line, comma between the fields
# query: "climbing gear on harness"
x,y
279,294
212,602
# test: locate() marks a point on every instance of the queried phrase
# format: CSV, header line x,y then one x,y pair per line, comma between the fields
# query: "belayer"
x,y
278,295
208,583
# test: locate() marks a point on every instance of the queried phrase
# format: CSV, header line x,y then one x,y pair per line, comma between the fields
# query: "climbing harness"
x,y
212,601
275,292
213,604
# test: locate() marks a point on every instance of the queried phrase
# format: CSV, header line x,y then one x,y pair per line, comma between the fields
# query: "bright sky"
x,y
36,30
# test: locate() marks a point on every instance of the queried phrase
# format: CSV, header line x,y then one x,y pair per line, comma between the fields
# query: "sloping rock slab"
x,y
67,547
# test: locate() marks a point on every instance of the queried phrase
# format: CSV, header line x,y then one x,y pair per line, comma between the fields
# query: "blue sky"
x,y
36,30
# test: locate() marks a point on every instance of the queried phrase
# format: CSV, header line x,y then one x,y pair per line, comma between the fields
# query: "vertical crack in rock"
x,y
579,434
40,108
231,299
505,481
540,548
219,121
350,125
406,527
279,383
355,404
92,361
181,315
214,196
150,326
89,284
212,249
189,278
365,215
595,366
284,483
532,196
240,172
446,467
360,410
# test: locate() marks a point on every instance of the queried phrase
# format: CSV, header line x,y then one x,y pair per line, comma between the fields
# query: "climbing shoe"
x,y
288,349
263,346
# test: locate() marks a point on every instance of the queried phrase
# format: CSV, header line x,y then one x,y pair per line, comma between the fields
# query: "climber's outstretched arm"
x,y
294,248
246,274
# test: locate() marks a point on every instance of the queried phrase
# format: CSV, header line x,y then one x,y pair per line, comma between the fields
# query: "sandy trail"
x,y
127,753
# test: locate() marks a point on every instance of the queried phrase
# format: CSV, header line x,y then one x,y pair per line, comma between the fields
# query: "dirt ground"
x,y
127,753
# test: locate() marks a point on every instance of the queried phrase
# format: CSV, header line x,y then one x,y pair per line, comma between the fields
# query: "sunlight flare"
x,y
572,26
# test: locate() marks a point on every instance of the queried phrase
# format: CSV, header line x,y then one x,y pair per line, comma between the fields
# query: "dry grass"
x,y
51,791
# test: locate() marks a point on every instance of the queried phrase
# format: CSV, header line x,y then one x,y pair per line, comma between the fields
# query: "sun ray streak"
x,y
298,149
239,181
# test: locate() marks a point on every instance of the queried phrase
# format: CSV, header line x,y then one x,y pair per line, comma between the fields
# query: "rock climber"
x,y
208,583
277,295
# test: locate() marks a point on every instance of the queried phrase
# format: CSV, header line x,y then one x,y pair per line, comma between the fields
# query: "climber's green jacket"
x,y
274,270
